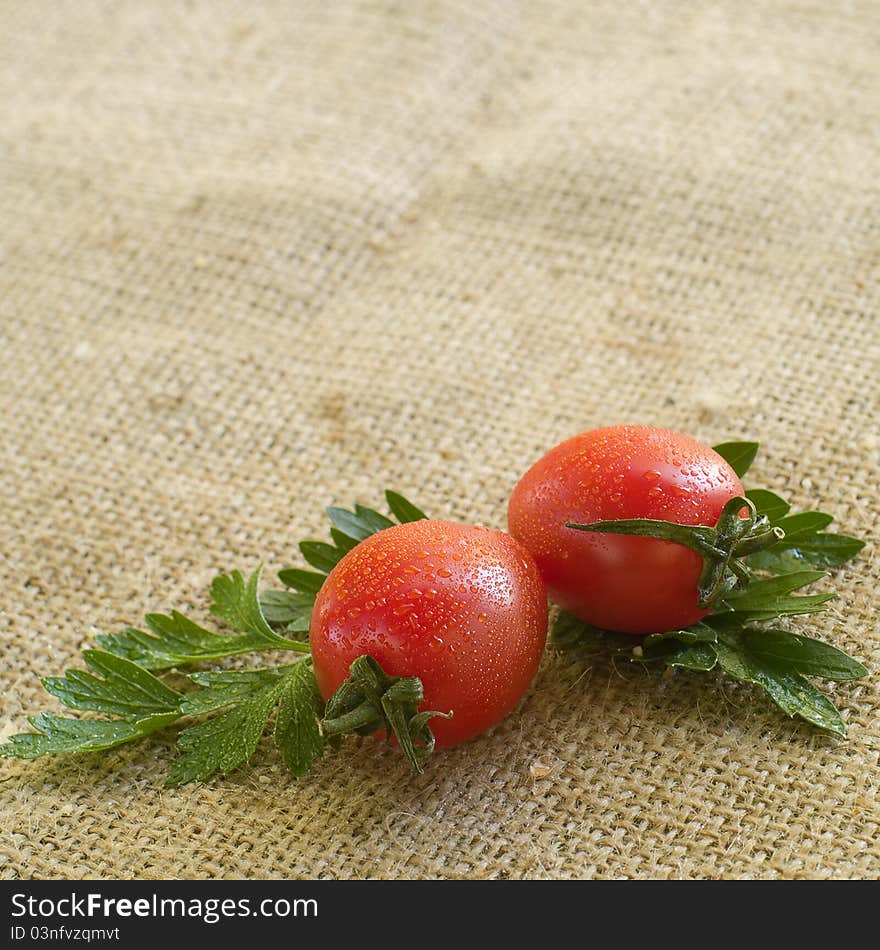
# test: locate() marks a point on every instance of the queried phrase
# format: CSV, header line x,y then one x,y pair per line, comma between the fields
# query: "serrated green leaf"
x,y
321,555
373,519
238,603
114,686
225,742
769,597
348,523
228,687
802,654
733,660
738,455
790,691
798,697
403,509
779,560
175,640
768,504
298,735
358,524
786,607
121,688
829,550
802,524
307,582
57,735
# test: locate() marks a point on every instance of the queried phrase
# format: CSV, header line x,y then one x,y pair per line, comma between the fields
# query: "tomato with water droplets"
x,y
461,607
616,582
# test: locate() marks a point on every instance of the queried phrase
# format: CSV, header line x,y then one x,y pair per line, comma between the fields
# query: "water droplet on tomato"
x,y
651,475
442,572
402,609
436,644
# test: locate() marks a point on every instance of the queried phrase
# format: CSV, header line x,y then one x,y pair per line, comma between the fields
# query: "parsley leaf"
x,y
235,706
116,687
805,543
227,741
775,660
770,597
766,558
58,734
785,686
174,640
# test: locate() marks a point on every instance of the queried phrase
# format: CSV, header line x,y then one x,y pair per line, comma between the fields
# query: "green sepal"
x,y
721,547
372,701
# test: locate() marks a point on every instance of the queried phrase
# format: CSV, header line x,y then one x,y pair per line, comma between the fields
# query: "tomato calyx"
x,y
371,701
721,546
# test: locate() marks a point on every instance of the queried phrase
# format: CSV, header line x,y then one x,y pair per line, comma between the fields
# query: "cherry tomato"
x,y
616,582
461,607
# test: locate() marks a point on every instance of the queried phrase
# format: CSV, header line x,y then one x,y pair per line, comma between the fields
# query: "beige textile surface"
x,y
259,258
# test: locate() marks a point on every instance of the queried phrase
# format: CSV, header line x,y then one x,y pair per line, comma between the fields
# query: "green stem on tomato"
x,y
370,700
721,546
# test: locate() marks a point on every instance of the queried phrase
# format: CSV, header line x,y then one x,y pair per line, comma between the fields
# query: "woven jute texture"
x,y
260,258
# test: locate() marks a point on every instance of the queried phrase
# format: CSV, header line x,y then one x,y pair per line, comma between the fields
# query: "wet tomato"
x,y
616,582
461,607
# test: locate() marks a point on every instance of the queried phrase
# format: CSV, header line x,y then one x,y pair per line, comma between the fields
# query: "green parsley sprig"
x,y
752,567
226,712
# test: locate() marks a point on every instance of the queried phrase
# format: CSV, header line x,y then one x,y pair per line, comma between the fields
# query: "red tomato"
x,y
463,608
616,582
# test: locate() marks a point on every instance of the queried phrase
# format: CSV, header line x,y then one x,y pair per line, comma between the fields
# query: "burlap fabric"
x,y
255,259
